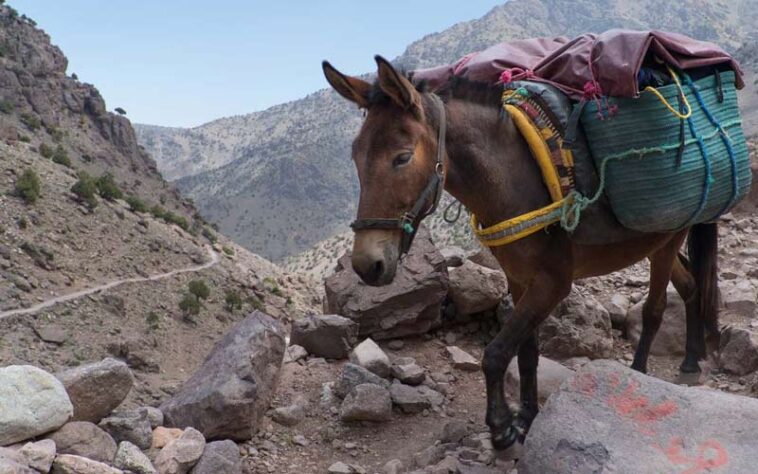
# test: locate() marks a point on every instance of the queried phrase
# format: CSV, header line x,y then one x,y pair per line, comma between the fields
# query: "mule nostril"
x,y
377,269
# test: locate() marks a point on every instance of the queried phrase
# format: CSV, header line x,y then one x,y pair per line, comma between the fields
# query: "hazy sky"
x,y
183,63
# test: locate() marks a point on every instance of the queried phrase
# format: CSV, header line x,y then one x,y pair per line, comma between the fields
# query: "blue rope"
x,y
724,138
708,176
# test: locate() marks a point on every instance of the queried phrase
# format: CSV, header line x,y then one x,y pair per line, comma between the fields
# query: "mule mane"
x,y
455,88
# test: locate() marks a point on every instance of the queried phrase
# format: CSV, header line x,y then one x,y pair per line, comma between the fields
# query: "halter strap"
x,y
409,222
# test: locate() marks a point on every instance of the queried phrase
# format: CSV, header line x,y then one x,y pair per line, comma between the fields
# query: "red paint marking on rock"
x,y
710,455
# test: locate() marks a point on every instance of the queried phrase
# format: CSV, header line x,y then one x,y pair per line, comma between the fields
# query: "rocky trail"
x,y
213,256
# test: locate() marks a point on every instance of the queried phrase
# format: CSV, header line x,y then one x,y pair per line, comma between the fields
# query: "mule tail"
x,y
703,256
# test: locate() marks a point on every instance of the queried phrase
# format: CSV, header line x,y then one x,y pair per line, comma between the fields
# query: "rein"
x,y
409,222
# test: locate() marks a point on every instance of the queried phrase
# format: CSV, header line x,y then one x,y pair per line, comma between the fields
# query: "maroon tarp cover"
x,y
605,64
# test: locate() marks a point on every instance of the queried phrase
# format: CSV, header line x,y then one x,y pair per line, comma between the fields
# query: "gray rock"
x,y
740,297
130,458
394,466
370,356
290,415
367,402
181,454
13,463
409,305
454,256
132,426
485,258
340,467
461,359
32,402
353,375
453,431
154,416
550,376
671,336
51,333
414,399
579,326
39,455
738,353
97,389
219,457
85,439
233,388
475,288
618,307
608,418
408,371
329,335
71,464
295,353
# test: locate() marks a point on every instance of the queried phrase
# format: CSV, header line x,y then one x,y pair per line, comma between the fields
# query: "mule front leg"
x,y
540,297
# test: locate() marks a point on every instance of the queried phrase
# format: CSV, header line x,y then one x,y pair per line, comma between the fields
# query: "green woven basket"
x,y
648,190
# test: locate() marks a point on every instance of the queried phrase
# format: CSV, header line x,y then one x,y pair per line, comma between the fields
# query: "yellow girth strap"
x,y
521,226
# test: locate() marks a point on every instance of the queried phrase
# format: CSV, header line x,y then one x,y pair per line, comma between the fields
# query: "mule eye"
x,y
402,159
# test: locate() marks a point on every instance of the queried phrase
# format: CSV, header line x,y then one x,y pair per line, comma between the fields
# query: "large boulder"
x,y
475,288
608,418
671,336
32,402
411,304
97,389
579,326
327,335
85,439
233,388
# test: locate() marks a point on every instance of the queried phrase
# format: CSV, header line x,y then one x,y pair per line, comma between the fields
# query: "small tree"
x,y
28,186
85,190
107,187
233,301
189,305
120,111
200,289
61,157
46,151
136,204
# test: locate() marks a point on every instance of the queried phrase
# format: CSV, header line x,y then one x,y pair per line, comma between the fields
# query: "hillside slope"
x,y
279,181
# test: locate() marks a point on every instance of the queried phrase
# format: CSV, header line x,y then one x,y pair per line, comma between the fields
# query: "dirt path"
x,y
214,259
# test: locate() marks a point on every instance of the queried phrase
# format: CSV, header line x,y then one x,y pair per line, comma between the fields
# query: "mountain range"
x,y
279,181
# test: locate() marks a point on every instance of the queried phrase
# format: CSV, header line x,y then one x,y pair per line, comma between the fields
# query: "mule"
x,y
409,135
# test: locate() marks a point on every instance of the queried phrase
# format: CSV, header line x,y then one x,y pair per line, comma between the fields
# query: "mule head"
x,y
395,154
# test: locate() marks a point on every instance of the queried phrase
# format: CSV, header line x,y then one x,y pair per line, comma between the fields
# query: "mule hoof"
x,y
505,439
690,367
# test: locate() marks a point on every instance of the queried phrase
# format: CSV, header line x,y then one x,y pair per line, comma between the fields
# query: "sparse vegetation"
x,y
107,187
172,218
28,186
22,223
46,151
61,157
6,106
120,111
153,320
228,250
24,139
233,301
208,234
136,204
85,190
255,302
199,289
190,305
31,121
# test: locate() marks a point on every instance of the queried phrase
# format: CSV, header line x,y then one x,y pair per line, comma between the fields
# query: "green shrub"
x,y
199,289
31,121
153,320
107,187
24,139
190,305
172,218
233,301
6,107
157,211
61,157
136,204
208,234
28,186
85,190
255,302
228,250
46,151
22,223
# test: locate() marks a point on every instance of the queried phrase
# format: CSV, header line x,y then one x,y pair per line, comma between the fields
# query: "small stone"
x,y
162,436
219,457
82,438
52,333
394,466
288,416
72,464
300,440
340,468
738,353
295,353
370,356
353,375
454,431
132,426
462,360
154,416
39,455
130,458
414,399
407,371
396,344
178,456
367,402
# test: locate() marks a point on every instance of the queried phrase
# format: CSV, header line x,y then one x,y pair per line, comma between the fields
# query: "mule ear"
x,y
397,86
351,88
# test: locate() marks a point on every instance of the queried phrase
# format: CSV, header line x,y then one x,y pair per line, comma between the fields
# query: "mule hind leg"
x,y
661,266
685,285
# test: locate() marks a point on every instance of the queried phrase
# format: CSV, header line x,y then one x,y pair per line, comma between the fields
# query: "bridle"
x,y
409,222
